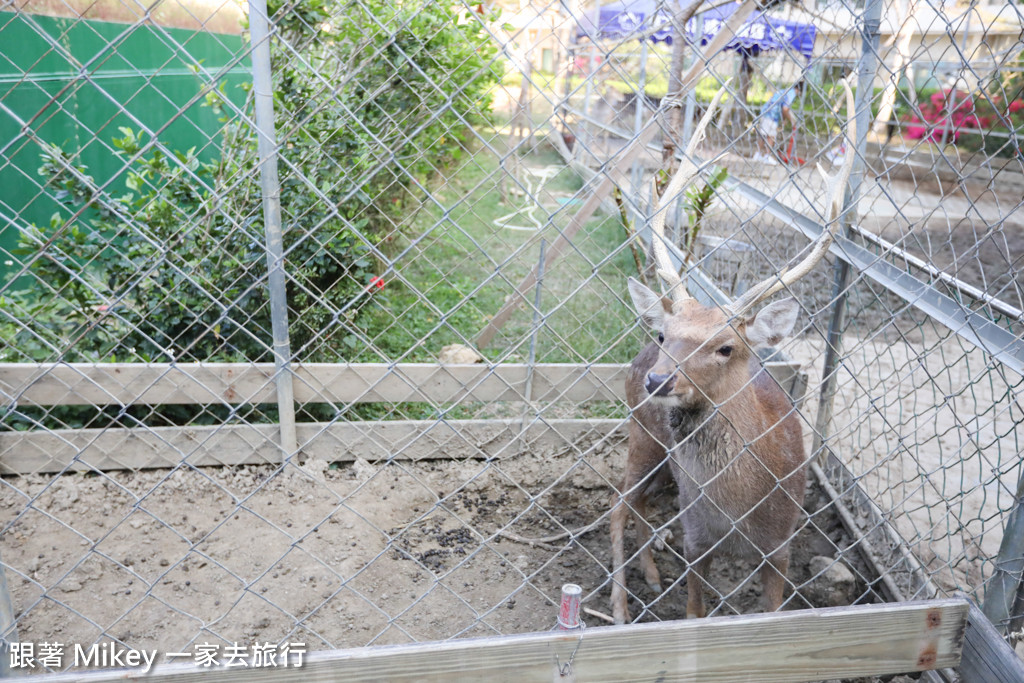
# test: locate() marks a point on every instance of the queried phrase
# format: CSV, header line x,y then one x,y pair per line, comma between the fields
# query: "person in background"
x,y
779,107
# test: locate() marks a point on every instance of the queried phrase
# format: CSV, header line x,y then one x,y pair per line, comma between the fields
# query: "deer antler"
x,y
836,185
685,174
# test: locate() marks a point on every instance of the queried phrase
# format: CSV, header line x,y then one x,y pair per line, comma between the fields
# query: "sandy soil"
x,y
929,428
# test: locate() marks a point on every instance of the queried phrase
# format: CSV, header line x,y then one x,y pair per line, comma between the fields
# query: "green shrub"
x,y
372,100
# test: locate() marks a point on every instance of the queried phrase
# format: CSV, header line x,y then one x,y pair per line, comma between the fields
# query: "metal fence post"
x,y
689,112
691,95
263,92
866,68
538,321
591,75
8,624
1002,592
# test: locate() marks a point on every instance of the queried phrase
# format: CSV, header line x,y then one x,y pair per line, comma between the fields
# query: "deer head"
x,y
705,353
711,355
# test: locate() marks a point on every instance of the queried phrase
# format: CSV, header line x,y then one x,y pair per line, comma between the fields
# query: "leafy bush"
x,y
699,198
372,100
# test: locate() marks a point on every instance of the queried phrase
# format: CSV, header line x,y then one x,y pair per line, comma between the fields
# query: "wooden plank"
x,y
240,444
79,450
234,383
987,657
806,645
102,384
454,384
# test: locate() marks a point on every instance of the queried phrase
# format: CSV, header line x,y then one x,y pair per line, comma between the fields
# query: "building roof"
x,y
994,19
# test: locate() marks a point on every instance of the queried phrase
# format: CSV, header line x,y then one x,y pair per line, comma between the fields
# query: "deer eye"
x,y
725,351
661,338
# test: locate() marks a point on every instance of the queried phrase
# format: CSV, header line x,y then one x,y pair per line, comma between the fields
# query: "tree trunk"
x,y
901,63
746,78
679,85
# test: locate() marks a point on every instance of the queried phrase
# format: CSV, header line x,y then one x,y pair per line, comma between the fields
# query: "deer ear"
x,y
651,307
772,323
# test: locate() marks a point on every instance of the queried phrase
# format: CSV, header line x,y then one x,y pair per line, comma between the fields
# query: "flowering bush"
x,y
965,118
936,115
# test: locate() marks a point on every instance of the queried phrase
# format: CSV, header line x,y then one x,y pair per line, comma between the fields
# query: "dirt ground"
x,y
348,555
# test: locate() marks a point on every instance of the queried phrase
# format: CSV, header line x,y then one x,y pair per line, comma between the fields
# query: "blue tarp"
x,y
760,33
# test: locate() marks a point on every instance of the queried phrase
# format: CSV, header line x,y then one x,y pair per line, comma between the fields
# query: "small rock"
x,y
363,470
71,586
92,571
458,354
663,539
833,584
316,468
65,495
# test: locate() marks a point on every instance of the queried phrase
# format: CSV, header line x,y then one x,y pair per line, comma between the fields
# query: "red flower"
x,y
915,132
1016,106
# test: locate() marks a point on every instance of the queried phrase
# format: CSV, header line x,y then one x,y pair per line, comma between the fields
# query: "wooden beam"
x,y
39,451
806,645
102,384
80,450
987,657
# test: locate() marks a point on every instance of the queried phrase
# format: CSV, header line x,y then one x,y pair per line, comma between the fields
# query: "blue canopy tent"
x,y
636,18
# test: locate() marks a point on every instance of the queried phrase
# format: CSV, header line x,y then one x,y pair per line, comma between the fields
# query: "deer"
x,y
705,413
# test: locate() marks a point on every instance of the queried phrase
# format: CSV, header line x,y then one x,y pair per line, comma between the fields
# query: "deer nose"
x,y
659,385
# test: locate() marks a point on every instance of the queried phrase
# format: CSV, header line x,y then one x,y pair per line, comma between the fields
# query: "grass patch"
x,y
457,264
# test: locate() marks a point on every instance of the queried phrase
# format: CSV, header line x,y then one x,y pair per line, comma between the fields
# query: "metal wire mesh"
x,y
448,341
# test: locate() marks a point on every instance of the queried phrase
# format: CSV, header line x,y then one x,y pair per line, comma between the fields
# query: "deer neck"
x,y
711,433
701,437
685,421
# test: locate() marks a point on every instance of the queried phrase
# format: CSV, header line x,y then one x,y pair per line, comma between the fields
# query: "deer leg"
x,y
695,582
773,580
642,462
643,533
636,503
620,512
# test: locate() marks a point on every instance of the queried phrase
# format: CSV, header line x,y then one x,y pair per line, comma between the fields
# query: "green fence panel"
x,y
74,82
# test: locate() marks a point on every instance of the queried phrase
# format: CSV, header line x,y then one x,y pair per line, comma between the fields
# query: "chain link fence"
x,y
315,331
